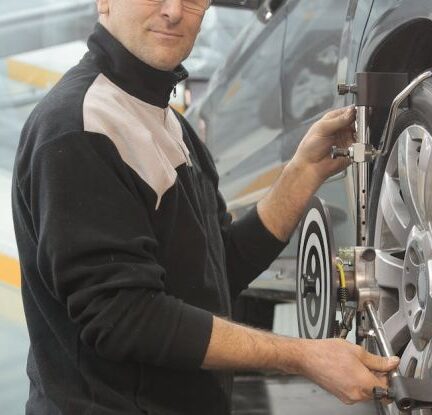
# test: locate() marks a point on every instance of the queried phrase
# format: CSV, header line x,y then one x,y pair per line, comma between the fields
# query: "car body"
x,y
280,77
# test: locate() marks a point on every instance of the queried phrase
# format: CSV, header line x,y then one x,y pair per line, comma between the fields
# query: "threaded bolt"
x,y
380,393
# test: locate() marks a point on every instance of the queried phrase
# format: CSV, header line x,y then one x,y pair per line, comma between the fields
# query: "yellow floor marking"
x,y
31,74
39,77
10,271
42,68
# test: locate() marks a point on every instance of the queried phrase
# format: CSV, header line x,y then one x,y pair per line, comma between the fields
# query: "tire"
x,y
400,229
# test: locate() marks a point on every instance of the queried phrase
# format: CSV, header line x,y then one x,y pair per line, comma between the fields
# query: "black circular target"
x,y
316,273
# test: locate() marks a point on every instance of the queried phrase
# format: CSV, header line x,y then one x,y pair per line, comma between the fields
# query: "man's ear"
x,y
102,6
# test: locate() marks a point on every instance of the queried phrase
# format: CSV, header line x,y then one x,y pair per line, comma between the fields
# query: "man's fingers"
x,y
374,382
378,363
337,112
329,126
381,380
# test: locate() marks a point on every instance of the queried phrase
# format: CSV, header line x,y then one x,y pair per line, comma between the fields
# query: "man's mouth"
x,y
166,33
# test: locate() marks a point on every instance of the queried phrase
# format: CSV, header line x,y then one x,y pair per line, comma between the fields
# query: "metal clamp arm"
x,y
400,98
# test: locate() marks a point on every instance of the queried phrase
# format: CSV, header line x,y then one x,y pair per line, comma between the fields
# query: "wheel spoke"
x,y
394,211
408,155
397,330
410,353
428,197
388,269
425,179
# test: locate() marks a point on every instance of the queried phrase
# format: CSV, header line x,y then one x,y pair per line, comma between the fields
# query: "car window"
x,y
245,38
219,30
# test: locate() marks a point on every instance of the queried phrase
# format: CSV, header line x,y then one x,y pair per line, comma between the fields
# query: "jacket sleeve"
x,y
97,255
249,246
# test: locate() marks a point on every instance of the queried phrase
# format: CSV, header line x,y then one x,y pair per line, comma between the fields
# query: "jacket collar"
x,y
130,73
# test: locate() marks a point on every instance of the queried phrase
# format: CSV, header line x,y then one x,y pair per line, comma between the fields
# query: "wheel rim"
x,y
403,237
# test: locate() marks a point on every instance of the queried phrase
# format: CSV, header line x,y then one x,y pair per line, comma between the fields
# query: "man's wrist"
x,y
284,205
292,356
310,174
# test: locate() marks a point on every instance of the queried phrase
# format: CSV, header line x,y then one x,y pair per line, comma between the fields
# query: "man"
x,y
129,258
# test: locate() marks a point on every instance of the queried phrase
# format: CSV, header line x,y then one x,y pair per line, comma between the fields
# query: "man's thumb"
x,y
380,364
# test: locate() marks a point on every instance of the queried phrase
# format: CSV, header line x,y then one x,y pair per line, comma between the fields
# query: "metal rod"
x,y
395,106
362,179
384,345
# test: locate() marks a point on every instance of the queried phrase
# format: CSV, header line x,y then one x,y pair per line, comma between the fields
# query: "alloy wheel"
x,y
403,238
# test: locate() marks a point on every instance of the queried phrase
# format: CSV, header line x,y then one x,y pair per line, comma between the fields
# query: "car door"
x,y
309,65
244,110
309,89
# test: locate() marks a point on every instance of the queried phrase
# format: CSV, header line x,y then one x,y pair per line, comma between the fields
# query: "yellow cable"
x,y
341,270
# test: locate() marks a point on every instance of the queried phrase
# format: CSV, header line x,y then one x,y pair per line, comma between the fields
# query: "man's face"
x,y
160,34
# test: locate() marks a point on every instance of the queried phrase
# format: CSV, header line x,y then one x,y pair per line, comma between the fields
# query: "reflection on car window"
x,y
219,29
245,38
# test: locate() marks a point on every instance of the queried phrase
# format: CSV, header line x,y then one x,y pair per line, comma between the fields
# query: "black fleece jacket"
x,y
125,245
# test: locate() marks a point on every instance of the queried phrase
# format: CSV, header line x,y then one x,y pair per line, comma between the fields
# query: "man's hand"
x,y
281,209
347,371
343,369
336,128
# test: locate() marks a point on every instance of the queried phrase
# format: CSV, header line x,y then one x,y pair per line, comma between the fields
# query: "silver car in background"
x,y
280,77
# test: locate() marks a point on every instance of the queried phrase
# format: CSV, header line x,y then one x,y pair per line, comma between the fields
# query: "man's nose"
x,y
172,10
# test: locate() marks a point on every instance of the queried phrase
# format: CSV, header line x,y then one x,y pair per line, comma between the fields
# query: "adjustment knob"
x,y
380,393
339,152
344,89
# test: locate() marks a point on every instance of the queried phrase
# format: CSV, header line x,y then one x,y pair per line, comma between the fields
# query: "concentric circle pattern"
x,y
316,284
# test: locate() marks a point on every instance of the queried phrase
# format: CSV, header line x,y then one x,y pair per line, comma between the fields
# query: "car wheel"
x,y
401,231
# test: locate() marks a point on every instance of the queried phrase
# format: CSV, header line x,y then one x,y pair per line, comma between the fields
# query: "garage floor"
x,y
288,395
